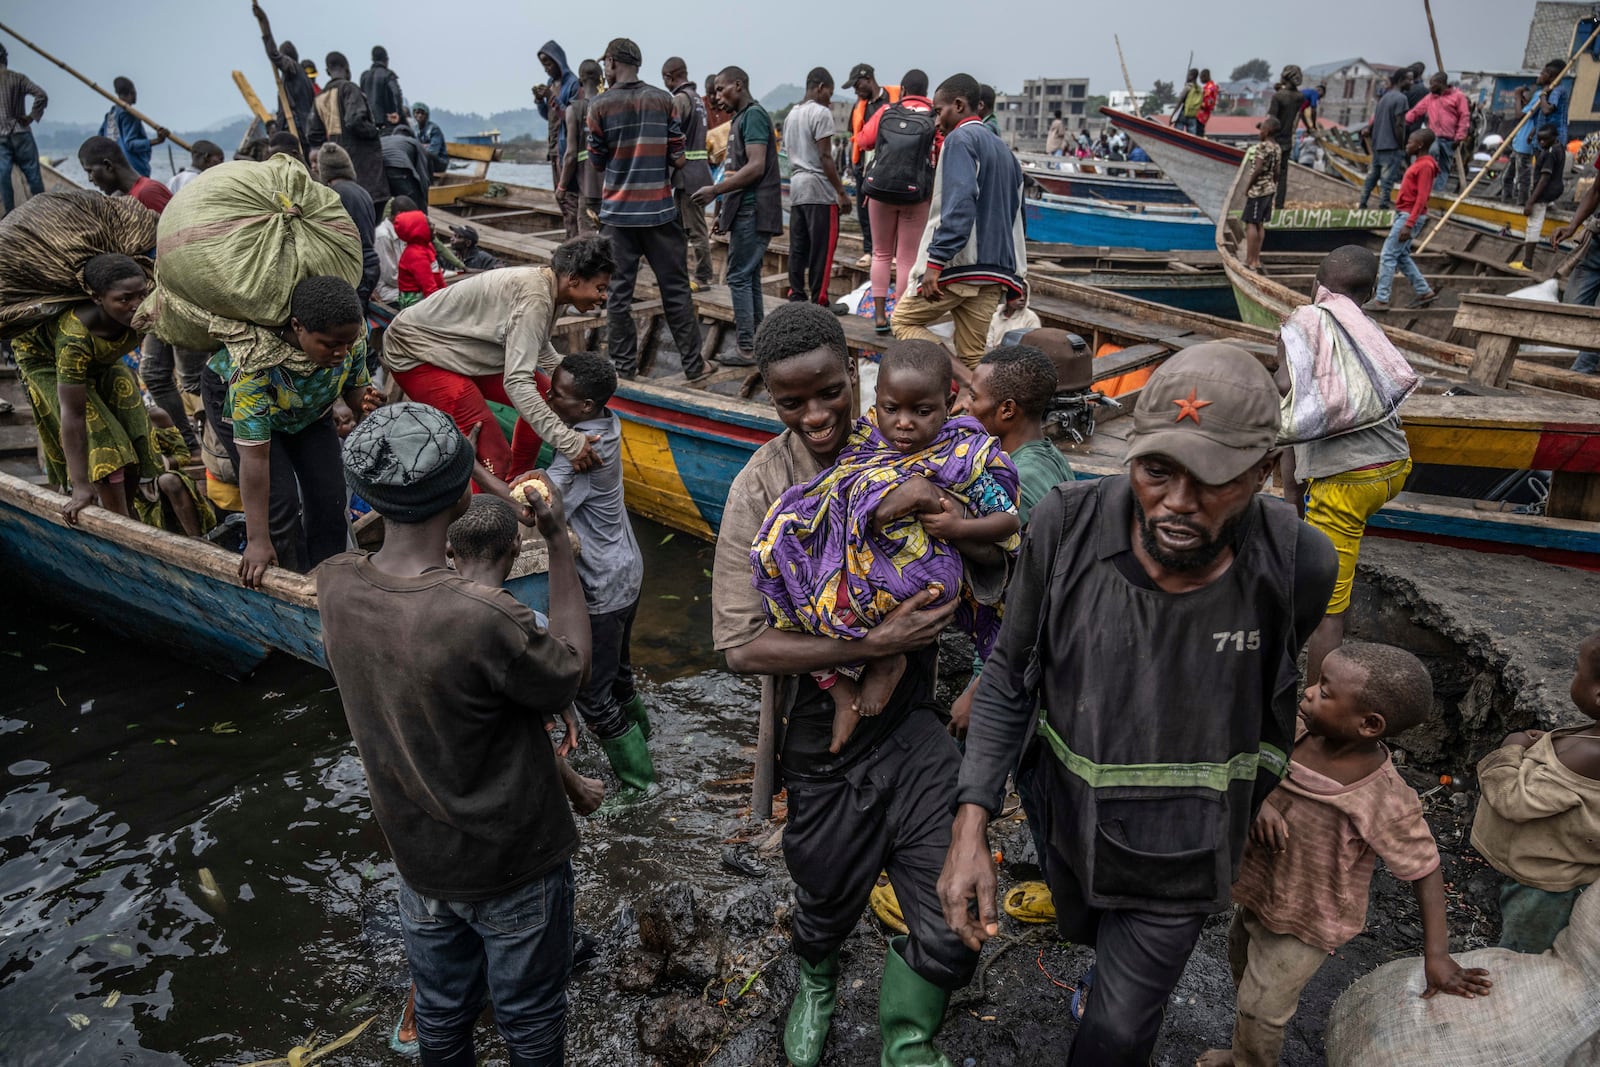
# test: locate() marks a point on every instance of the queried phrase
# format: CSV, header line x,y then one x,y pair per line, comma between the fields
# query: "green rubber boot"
x,y
635,710
630,759
910,1011
812,1012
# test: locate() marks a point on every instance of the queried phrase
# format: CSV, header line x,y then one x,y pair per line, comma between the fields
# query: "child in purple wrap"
x,y
914,494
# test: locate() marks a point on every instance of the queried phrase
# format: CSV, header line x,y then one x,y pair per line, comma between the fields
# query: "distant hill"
x,y
521,122
57,139
781,97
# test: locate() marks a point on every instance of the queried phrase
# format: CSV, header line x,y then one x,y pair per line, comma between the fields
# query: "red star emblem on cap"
x,y
1189,408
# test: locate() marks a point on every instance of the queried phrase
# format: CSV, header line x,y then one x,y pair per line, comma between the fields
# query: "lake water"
x,y
127,772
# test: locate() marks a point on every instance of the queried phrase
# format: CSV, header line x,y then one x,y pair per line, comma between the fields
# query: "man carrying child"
x,y
883,800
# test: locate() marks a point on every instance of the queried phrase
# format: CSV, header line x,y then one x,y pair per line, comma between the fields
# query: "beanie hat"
x,y
408,461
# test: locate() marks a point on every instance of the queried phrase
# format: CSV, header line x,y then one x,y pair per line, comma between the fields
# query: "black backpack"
x,y
902,161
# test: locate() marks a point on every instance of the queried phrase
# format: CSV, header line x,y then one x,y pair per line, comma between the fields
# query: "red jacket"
x,y
1415,187
419,267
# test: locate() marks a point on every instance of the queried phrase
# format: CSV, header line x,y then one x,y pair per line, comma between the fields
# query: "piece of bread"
x,y
520,493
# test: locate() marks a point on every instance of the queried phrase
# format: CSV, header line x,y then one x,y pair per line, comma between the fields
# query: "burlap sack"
x,y
46,242
1543,1009
233,244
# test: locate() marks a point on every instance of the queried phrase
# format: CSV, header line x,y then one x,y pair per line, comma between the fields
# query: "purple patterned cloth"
x,y
822,569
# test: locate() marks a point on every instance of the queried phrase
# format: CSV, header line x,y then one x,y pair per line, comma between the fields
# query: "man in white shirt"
x,y
203,156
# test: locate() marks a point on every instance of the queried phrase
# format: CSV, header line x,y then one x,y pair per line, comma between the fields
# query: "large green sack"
x,y
47,241
233,244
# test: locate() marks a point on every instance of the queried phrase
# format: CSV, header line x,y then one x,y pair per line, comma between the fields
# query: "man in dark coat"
x,y
296,86
381,86
340,114
405,164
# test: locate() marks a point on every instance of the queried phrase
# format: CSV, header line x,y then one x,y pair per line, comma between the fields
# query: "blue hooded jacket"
x,y
553,108
129,133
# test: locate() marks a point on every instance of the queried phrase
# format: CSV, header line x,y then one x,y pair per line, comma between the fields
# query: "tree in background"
x,y
1258,69
1162,96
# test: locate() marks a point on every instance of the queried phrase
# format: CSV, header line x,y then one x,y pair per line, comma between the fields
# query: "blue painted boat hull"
x,y
1107,187
181,598
1077,223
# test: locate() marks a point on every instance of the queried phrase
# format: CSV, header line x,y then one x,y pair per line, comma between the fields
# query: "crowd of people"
x,y
1167,762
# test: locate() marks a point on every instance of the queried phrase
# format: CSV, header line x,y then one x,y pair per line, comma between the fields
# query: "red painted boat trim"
x,y
697,424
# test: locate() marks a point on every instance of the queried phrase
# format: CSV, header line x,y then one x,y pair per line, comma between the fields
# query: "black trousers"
x,y
1283,169
889,812
1139,955
813,234
165,371
306,501
861,216
610,673
667,251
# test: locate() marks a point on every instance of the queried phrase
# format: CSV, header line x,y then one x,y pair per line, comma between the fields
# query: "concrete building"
x,y
1354,86
1556,31
1025,117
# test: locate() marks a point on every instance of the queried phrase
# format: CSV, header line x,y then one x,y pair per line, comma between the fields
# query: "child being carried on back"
x,y
837,555
1303,883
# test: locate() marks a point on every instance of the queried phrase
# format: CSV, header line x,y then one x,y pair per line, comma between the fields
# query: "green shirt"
x,y
755,126
279,401
1040,468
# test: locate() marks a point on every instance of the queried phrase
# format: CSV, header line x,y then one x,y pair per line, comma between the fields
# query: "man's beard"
x,y
1197,558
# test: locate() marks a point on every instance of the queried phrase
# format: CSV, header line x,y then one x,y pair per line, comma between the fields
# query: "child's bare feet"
x,y
878,682
845,692
1215,1057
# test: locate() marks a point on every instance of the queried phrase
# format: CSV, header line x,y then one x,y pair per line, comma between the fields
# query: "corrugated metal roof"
x,y
1550,32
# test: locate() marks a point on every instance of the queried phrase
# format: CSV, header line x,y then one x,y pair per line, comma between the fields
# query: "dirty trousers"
x,y
970,307
1269,971
890,811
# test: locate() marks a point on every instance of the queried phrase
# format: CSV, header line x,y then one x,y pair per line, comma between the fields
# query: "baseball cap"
x,y
1212,408
466,233
859,71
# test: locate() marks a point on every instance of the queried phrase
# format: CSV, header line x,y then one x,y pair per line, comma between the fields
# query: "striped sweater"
x,y
633,135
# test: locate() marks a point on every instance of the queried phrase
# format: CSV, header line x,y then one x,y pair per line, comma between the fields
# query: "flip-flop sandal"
x,y
408,1048
1080,995
1030,902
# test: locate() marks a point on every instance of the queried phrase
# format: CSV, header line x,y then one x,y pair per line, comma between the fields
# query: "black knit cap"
x,y
408,461
622,50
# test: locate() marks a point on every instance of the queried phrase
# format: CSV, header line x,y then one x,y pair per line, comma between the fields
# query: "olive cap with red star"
x,y
1212,409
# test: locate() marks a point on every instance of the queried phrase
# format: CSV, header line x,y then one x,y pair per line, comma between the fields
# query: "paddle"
x,y
135,112
1500,149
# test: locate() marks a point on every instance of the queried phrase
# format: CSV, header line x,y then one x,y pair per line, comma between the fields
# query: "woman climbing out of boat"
x,y
269,393
93,425
487,337
903,138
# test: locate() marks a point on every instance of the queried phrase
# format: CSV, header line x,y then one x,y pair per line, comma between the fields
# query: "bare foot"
x,y
408,1018
1215,1057
878,682
584,794
845,692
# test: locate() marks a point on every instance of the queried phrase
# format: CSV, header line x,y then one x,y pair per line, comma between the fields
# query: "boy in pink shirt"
x,y
1302,887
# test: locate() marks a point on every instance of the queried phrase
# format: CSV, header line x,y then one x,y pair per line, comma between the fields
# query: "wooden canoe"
x,y
682,446
179,593
1490,213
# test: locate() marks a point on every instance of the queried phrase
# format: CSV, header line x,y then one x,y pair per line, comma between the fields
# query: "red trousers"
x,y
463,399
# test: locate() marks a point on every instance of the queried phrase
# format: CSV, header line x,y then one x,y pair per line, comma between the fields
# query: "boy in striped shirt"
x,y
1302,886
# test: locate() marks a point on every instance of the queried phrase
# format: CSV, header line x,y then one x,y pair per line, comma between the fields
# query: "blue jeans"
x,y
516,949
1444,152
746,250
1397,254
20,149
1583,290
1387,168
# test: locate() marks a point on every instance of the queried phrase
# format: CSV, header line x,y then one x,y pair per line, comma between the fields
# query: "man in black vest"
x,y
1156,618
696,169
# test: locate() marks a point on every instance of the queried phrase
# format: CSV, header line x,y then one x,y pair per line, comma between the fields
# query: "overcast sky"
x,y
480,56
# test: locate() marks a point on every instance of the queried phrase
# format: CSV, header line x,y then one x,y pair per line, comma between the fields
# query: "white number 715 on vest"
x,y
1238,638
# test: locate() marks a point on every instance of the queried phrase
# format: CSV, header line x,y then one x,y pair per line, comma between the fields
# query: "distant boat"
x,y
1152,228
486,137
1101,179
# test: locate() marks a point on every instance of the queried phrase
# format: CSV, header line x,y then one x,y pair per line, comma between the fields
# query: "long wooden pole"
x,y
1500,149
135,112
1132,98
1438,57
